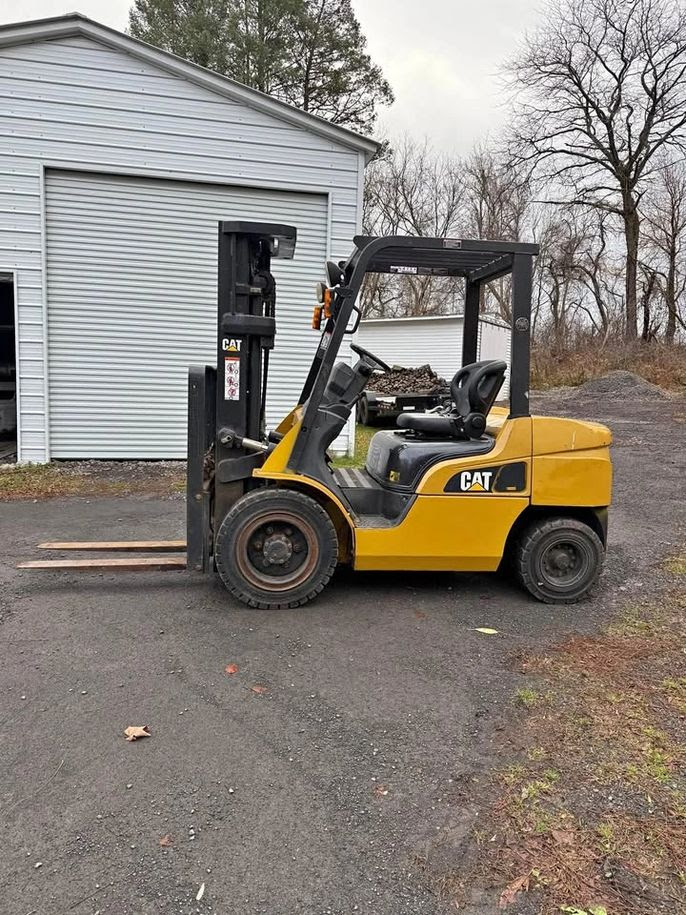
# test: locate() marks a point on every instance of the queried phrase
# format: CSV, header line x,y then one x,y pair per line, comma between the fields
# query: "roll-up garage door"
x,y
132,278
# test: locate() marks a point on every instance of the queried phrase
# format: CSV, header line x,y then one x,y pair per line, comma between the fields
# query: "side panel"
x,y
581,479
572,465
442,533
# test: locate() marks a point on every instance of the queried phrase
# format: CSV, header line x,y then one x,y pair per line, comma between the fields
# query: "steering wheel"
x,y
370,357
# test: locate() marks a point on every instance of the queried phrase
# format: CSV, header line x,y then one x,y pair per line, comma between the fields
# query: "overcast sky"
x,y
440,56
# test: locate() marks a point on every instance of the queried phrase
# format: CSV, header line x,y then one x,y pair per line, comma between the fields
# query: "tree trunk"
x,y
670,297
631,233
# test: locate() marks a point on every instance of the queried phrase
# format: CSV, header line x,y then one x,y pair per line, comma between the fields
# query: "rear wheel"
x,y
558,560
276,548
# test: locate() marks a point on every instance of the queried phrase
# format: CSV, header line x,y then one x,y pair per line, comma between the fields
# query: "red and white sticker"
x,y
232,378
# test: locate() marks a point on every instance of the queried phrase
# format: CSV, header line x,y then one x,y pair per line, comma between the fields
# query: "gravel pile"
x,y
620,383
399,380
616,385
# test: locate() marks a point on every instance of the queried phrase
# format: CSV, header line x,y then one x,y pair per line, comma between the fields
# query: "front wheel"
x,y
275,549
558,560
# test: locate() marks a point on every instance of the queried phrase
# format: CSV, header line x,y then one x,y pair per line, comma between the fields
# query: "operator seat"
x,y
474,390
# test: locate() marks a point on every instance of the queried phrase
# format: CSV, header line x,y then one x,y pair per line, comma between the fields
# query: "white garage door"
x,y
132,287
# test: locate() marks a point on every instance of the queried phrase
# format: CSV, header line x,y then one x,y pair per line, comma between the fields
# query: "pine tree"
x,y
310,53
331,73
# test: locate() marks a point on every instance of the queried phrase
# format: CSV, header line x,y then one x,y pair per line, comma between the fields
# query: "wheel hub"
x,y
562,562
277,549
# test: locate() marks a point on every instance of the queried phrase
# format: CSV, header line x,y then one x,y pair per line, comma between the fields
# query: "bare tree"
x,y
412,191
665,227
598,274
558,277
496,205
602,92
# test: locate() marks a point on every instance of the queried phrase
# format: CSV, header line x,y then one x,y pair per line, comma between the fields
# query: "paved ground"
x,y
277,801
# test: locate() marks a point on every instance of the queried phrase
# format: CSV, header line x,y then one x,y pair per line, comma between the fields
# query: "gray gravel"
x,y
273,800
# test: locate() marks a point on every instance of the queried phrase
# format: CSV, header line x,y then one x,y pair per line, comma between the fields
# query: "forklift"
x,y
467,487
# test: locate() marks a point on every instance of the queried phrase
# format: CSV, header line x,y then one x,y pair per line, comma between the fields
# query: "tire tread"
x,y
527,544
299,502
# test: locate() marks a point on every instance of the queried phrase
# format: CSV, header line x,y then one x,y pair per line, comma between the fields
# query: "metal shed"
x,y
434,340
117,162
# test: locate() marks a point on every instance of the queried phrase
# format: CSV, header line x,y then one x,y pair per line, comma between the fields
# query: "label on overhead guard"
x,y
232,378
403,269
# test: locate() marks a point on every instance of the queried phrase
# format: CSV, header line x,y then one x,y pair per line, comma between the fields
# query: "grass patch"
x,y
589,813
92,478
26,481
527,697
363,436
677,565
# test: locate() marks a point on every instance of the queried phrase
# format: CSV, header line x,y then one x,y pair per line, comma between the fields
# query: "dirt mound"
x,y
620,383
399,380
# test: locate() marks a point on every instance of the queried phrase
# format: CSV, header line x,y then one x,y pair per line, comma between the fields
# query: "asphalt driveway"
x,y
318,793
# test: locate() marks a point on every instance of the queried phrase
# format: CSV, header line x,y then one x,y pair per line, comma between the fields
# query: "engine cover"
x,y
400,459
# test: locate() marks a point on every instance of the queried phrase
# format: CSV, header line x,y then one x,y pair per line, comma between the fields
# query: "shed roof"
x,y
76,24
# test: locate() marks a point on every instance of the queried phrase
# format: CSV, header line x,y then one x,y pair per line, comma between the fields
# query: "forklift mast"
x,y
226,403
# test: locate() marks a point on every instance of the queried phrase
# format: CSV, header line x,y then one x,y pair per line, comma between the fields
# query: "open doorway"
x,y
8,371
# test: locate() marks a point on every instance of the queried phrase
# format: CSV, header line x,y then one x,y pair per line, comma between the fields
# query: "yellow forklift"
x,y
467,487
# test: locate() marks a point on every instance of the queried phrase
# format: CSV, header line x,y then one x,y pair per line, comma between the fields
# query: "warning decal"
x,y
232,378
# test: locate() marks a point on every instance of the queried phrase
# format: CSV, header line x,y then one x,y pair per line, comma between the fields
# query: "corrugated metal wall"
x,y
75,103
132,303
437,341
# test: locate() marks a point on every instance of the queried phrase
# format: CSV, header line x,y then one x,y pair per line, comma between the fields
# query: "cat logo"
x,y
231,345
476,480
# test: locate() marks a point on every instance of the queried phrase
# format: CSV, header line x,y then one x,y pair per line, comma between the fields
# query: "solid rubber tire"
x,y
261,502
536,538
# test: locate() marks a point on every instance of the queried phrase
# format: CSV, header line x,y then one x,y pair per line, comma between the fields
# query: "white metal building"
x,y
117,161
436,341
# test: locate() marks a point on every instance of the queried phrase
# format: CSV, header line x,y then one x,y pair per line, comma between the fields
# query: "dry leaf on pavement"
x,y
133,733
166,841
259,689
517,886
231,669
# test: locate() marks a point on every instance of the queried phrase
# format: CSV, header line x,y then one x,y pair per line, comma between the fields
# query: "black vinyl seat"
x,y
474,390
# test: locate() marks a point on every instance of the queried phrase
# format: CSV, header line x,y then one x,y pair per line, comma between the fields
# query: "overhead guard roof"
x,y
478,260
